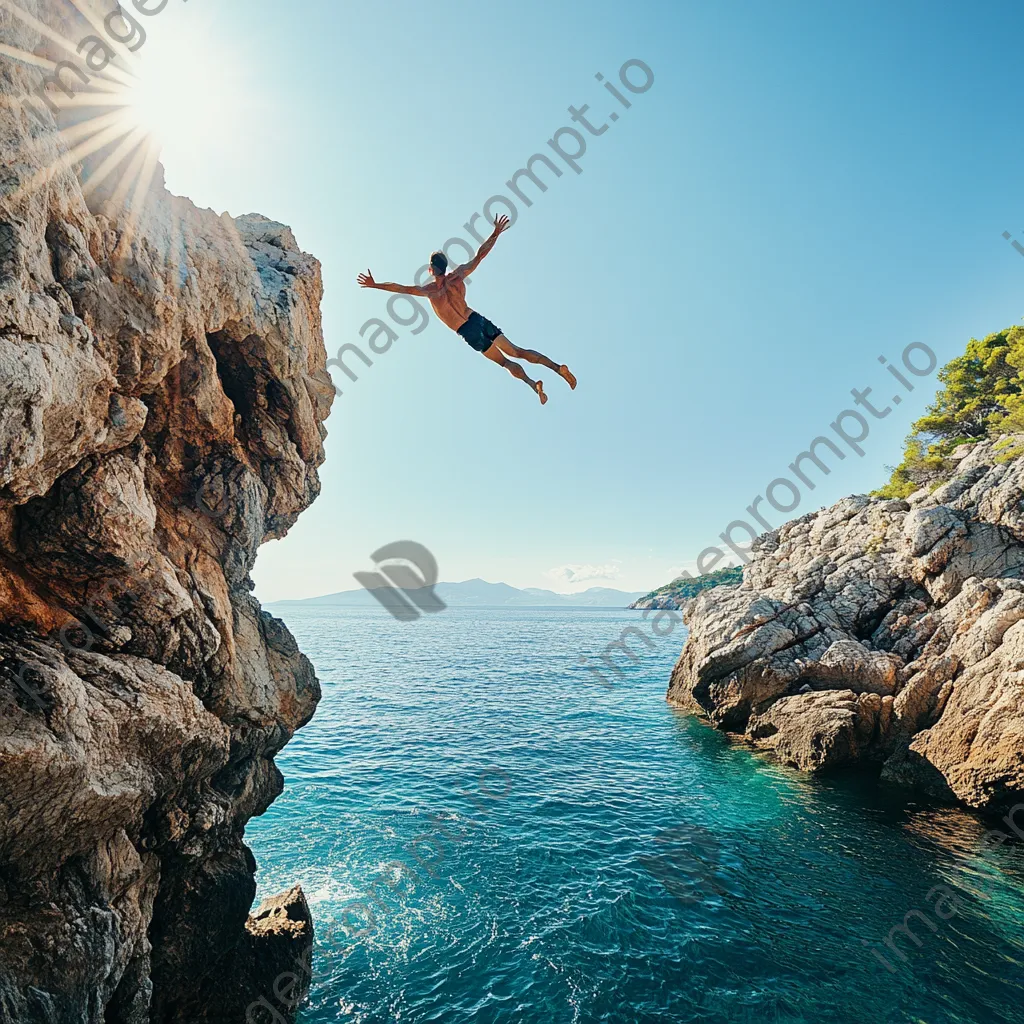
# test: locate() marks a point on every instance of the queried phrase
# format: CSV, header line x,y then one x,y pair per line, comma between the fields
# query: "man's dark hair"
x,y
439,262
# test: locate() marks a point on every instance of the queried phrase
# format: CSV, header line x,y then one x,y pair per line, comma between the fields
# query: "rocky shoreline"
x,y
880,632
164,392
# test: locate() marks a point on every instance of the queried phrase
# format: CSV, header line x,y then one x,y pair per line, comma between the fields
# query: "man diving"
x,y
447,294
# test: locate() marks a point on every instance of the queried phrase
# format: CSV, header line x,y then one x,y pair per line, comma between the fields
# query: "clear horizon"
x,y
801,190
475,579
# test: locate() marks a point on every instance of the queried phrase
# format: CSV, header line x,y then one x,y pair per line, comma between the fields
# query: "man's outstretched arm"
x,y
366,281
500,225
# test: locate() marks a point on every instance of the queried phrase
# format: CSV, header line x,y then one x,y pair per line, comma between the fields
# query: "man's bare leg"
x,y
495,356
531,356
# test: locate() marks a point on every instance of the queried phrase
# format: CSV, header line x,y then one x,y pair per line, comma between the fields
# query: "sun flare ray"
x,y
136,180
38,26
116,116
90,126
90,145
114,159
25,57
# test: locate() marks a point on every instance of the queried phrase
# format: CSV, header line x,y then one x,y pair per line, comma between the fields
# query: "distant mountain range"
x,y
480,593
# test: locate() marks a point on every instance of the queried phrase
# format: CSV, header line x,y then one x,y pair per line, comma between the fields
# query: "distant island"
x,y
674,595
479,593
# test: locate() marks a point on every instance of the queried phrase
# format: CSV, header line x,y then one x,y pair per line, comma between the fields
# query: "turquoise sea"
x,y
486,834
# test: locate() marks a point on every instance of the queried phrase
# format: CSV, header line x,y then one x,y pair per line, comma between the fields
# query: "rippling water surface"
x,y
485,834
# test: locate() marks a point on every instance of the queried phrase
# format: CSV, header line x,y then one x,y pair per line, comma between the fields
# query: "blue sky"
x,y
803,188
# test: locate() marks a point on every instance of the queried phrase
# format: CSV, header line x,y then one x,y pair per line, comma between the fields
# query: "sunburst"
x,y
112,119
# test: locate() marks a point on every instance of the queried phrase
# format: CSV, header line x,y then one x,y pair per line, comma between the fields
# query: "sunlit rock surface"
x,y
162,398
884,632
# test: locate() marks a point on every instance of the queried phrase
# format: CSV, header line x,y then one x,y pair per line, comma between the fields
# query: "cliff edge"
x,y
884,632
162,397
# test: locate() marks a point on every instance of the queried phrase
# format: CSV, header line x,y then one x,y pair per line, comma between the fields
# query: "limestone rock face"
x,y
162,397
880,632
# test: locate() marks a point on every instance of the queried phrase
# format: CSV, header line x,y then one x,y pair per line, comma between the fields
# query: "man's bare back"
x,y
447,295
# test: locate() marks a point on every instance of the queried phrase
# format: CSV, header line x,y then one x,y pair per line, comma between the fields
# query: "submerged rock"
x,y
162,397
881,632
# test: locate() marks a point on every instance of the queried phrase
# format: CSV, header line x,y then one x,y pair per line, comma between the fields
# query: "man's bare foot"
x,y
539,388
565,373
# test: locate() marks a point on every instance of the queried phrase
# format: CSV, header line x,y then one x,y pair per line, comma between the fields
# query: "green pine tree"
x,y
982,397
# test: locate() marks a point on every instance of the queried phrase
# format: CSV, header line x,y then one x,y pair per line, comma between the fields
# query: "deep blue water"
x,y
597,856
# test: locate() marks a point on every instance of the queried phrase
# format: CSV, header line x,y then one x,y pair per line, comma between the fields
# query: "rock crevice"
x,y
162,397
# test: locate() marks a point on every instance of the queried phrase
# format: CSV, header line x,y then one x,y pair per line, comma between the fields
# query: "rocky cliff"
x,y
162,397
881,632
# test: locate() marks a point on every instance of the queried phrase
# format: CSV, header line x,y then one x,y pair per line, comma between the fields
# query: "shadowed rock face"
x,y
880,632
162,395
